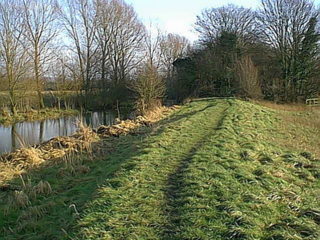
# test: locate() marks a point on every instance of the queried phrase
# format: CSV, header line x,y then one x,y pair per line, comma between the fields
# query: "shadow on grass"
x,y
55,215
177,190
178,116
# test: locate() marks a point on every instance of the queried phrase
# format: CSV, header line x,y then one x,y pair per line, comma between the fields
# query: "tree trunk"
x,y
38,78
12,102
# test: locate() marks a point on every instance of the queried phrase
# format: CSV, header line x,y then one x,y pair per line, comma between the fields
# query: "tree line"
x,y
96,48
271,52
100,50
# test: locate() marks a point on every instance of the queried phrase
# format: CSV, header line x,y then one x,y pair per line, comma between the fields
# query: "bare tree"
x,y
105,26
152,41
149,88
126,41
40,18
79,19
12,52
284,25
172,47
230,18
248,78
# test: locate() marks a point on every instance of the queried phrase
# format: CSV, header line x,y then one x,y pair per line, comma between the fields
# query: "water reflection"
x,y
32,133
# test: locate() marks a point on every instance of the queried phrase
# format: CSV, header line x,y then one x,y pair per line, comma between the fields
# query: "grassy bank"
x,y
48,113
215,169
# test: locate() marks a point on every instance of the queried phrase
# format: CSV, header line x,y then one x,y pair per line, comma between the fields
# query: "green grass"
x,y
215,169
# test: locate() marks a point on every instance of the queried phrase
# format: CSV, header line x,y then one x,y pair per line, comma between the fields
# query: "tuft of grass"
x,y
19,199
43,188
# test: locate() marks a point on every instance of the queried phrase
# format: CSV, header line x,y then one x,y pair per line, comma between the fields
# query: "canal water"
x,y
32,133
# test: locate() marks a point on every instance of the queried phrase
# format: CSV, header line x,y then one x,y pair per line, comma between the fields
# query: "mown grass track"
x,y
140,202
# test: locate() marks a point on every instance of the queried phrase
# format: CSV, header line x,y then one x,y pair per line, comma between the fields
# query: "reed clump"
x,y
18,162
43,188
61,148
130,126
52,149
25,157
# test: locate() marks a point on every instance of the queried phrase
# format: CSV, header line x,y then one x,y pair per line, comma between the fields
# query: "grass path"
x,y
143,201
213,170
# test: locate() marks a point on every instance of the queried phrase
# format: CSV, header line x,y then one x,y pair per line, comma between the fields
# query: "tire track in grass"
x,y
177,190
227,194
133,204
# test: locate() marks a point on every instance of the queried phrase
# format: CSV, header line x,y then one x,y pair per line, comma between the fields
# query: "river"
x,y
25,134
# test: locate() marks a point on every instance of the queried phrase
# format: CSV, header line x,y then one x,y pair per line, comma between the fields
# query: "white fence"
x,y
313,102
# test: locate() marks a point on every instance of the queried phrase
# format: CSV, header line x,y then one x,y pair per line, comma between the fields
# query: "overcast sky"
x,y
178,16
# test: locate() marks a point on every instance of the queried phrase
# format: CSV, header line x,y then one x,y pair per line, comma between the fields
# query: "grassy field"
x,y
68,99
30,98
215,169
21,116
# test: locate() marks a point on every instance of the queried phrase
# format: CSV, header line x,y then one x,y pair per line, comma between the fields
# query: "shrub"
x,y
149,89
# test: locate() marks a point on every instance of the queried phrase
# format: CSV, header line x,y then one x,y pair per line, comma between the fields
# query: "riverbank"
x,y
52,151
6,118
213,169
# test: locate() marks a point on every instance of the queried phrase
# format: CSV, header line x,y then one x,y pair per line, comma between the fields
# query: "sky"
x,y
178,16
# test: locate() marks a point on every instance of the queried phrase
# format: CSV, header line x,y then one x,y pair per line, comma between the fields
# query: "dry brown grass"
x,y
159,112
122,128
297,107
301,123
28,157
42,188
8,172
132,126
51,152
304,129
68,149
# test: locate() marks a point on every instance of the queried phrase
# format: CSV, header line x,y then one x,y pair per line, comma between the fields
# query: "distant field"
x,y
34,93
30,98
71,98
215,169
